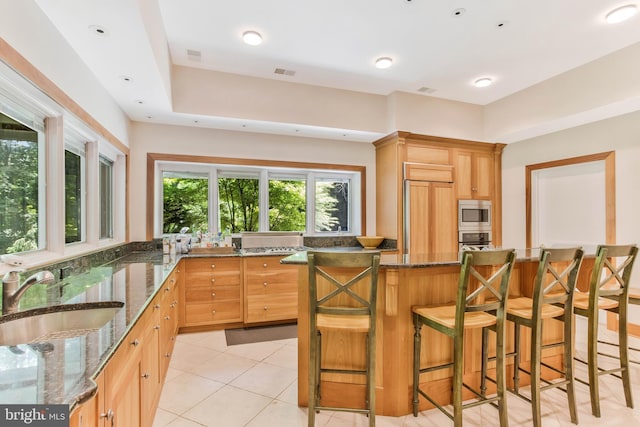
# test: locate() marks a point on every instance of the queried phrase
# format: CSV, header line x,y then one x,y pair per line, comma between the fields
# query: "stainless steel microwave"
x,y
474,215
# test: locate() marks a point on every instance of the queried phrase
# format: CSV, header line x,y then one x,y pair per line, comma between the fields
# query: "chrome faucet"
x,y
12,291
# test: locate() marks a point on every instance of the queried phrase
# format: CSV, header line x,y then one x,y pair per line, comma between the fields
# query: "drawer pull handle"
x,y
167,317
213,266
265,284
146,375
156,327
213,312
167,289
213,294
108,415
167,355
264,265
135,342
156,306
266,308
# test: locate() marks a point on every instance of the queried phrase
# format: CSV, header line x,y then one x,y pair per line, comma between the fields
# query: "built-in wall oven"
x,y
474,240
474,224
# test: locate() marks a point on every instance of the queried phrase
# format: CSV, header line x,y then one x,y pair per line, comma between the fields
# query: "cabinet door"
x,y
151,369
419,216
474,175
431,218
124,391
444,222
483,169
86,415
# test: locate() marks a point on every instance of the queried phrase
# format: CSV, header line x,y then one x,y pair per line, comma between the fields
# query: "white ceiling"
x,y
334,43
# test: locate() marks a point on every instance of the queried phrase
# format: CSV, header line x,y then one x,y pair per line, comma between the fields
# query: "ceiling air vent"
x,y
284,72
194,55
425,89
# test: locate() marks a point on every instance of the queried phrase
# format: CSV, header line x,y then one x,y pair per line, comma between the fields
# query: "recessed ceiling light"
x,y
483,82
252,38
384,62
139,101
459,12
126,79
98,30
621,13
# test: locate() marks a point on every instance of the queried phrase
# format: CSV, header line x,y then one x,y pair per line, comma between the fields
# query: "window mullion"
x,y
311,203
91,214
53,209
214,219
263,201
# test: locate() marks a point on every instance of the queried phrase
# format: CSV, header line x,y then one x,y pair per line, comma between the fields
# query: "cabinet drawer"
x,y
267,308
272,275
209,279
213,263
213,293
258,264
428,172
271,284
212,313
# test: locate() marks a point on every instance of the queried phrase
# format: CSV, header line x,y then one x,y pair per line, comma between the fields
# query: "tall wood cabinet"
x,y
419,180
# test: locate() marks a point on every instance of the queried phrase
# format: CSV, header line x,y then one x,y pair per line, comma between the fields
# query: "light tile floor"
x,y
212,384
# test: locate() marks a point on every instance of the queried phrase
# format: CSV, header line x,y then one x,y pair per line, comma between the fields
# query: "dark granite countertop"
x,y
61,371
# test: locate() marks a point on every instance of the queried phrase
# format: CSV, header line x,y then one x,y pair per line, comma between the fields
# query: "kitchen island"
x,y
406,281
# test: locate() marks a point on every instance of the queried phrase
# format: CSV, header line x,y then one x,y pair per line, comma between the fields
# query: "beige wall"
x,y
207,142
620,134
606,87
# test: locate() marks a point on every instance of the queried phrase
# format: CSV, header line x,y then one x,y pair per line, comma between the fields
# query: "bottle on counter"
x,y
226,238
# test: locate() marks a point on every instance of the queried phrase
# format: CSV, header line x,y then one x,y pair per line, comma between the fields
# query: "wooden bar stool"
x,y
553,291
342,297
480,302
608,290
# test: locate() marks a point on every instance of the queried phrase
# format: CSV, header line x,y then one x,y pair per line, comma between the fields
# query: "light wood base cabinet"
x,y
271,292
130,384
213,292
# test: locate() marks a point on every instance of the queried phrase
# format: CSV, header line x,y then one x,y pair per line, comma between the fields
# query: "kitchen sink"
x,y
56,322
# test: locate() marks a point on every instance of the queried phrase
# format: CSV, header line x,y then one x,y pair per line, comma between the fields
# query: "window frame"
x,y
157,163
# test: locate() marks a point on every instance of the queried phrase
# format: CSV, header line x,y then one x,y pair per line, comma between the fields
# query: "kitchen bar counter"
x,y
407,281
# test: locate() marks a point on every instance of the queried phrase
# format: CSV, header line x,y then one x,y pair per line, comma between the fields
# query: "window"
x,y
287,204
251,198
73,190
185,202
332,205
106,198
20,180
238,204
83,200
